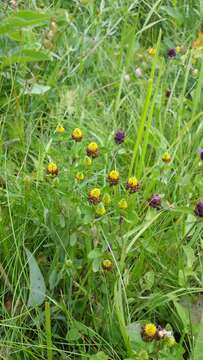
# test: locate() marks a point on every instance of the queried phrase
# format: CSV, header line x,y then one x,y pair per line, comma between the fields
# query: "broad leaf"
x,y
37,284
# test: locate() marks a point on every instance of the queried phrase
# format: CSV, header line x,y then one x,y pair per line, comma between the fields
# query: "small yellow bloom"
x,y
196,43
92,150
106,199
87,161
60,129
107,265
166,157
77,135
52,168
80,176
113,177
123,204
178,49
94,196
170,341
151,51
150,330
100,210
132,184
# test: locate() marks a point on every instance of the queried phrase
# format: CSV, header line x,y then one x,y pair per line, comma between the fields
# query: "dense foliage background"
x,y
75,63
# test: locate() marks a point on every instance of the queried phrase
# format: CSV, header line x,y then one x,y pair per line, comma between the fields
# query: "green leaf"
x,y
198,350
24,56
37,284
99,356
38,89
73,334
22,19
93,254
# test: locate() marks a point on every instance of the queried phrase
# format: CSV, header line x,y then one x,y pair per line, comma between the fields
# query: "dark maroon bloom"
x,y
155,201
200,151
172,53
119,136
168,93
199,209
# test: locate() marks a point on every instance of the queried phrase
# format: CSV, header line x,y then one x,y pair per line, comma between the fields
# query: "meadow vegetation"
x,y
101,197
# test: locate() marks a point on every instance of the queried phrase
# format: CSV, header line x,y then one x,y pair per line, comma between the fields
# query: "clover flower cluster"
x,y
132,184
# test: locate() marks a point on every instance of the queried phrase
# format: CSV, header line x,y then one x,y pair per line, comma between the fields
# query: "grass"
x,y
75,64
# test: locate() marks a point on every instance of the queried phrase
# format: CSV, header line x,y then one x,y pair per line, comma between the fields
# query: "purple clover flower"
x,y
172,53
155,201
200,151
199,209
119,136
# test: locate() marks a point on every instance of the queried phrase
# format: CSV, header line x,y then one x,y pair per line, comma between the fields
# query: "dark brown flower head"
x,y
199,209
168,93
94,196
172,53
132,184
92,150
200,151
155,202
113,177
149,332
119,136
107,265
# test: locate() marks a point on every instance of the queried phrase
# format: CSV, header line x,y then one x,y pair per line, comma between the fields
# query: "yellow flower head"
x,y
178,49
132,184
80,176
166,157
107,265
106,199
87,161
60,129
123,204
151,51
170,341
77,135
113,177
92,150
94,196
100,210
150,330
52,168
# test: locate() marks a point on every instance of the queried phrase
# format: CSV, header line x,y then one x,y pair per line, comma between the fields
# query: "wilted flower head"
x,y
132,184
155,201
94,196
77,135
92,150
138,72
52,169
107,265
200,151
113,177
119,136
127,77
149,332
168,93
199,209
122,204
100,210
166,157
172,53
151,51
60,129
